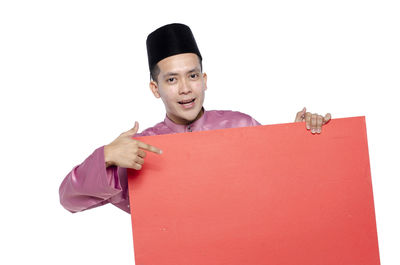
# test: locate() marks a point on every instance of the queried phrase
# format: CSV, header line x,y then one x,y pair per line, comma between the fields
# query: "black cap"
x,y
171,39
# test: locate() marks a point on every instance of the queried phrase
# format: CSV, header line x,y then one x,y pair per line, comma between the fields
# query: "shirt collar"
x,y
192,127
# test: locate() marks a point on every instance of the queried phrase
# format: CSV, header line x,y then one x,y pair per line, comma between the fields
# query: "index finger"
x,y
149,148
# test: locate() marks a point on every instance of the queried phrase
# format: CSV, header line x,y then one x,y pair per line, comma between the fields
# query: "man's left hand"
x,y
314,121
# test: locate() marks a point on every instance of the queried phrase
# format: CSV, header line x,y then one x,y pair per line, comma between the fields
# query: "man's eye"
x,y
193,76
170,80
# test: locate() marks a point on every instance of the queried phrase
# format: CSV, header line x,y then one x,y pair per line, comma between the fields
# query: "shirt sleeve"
x,y
90,184
254,122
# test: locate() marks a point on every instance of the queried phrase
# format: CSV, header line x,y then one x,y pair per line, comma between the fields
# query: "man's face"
x,y
181,86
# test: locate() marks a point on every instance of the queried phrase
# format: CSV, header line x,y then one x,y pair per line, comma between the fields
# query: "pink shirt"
x,y
91,184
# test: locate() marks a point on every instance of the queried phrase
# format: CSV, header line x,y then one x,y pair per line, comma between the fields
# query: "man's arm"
x,y
89,184
96,181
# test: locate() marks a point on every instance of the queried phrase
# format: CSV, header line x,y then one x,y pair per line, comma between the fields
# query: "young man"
x,y
175,65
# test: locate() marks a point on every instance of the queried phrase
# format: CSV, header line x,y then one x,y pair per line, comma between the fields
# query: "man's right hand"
x,y
127,152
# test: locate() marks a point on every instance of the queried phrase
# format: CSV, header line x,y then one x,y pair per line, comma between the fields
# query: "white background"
x,y
74,75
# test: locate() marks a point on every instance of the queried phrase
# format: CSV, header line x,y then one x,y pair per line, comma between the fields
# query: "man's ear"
x,y
154,88
205,81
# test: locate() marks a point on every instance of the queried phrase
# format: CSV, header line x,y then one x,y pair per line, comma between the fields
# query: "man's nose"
x,y
184,87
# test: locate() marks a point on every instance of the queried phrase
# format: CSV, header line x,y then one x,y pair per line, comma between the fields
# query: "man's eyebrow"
x,y
170,74
194,70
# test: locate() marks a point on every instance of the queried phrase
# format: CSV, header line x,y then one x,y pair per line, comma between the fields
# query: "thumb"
x,y
134,130
300,115
327,118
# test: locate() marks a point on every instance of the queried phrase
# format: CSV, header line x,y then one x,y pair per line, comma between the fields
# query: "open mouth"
x,y
188,101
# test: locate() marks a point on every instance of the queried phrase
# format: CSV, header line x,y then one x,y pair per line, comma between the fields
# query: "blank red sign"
x,y
272,194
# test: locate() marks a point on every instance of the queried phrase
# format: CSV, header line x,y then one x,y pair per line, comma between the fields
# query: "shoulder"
x,y
232,118
228,114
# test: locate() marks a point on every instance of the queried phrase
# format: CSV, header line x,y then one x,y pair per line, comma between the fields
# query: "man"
x,y
177,78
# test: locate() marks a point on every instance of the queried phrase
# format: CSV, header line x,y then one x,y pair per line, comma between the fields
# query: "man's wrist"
x,y
107,159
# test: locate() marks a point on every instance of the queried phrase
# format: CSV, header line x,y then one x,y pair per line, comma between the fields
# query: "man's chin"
x,y
188,117
196,115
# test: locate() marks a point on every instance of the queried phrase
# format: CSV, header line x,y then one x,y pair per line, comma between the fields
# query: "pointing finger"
x,y
149,148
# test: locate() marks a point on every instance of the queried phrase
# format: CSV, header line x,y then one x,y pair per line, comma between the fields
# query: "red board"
x,y
273,194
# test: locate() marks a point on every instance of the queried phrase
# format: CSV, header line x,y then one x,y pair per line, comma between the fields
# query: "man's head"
x,y
175,65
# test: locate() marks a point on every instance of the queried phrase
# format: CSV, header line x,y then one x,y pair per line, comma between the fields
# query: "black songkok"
x,y
171,39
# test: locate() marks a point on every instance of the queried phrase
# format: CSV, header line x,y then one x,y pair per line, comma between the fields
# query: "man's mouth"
x,y
188,101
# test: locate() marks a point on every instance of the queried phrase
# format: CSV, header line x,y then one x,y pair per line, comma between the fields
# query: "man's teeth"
x,y
186,101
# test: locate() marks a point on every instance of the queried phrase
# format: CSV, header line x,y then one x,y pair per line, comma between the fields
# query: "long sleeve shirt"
x,y
92,184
